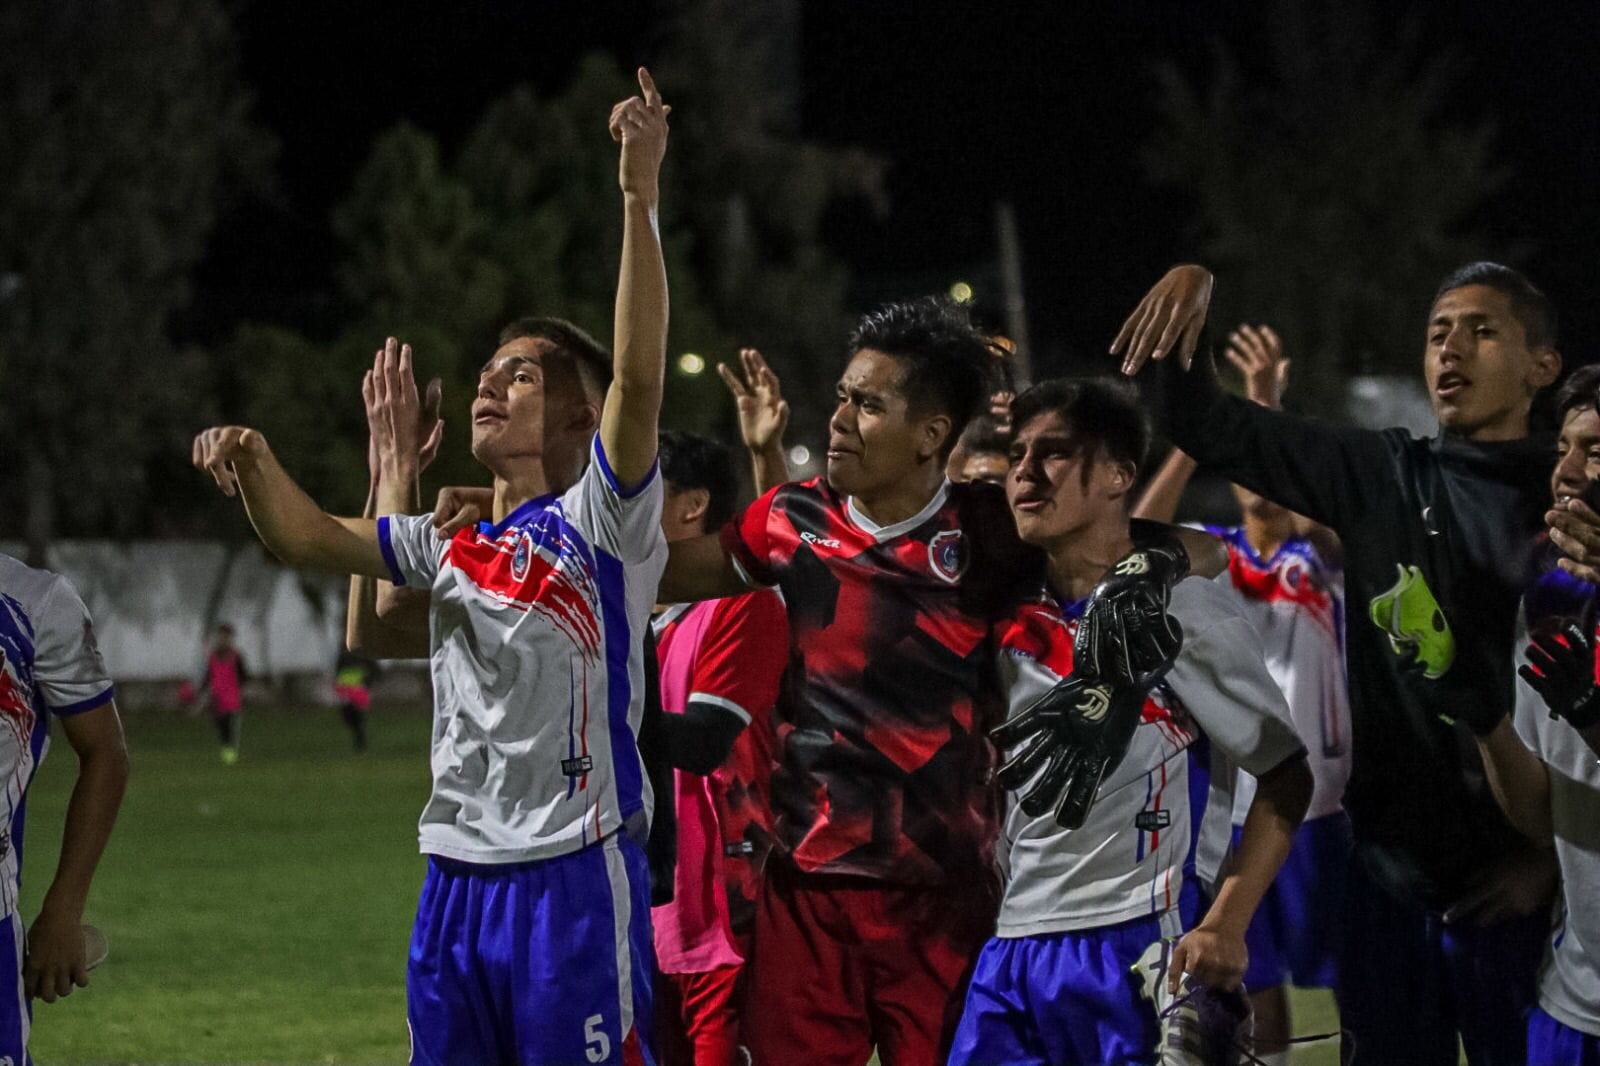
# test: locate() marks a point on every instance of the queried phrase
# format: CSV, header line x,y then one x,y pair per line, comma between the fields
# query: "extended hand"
x,y
639,124
216,449
1216,960
763,412
1170,315
395,415
1258,353
458,508
55,960
1560,668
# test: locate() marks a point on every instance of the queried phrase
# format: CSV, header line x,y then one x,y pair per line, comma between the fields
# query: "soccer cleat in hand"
x,y
1066,743
1125,634
1561,670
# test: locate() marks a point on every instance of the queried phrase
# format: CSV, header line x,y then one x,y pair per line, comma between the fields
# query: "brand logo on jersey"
x,y
577,767
739,850
947,555
1150,821
1096,701
821,542
521,557
1133,566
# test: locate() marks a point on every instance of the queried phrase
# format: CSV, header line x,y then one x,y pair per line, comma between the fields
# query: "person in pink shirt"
x,y
721,663
223,687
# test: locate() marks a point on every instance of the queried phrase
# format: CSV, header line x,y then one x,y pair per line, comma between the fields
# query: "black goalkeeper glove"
x,y
1560,668
1126,635
1078,731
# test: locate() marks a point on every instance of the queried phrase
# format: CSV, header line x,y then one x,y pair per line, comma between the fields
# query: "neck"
x,y
1080,559
1266,537
1513,426
901,501
517,486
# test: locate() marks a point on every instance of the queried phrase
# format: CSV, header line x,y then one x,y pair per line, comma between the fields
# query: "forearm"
x,y
769,467
698,569
1276,812
91,813
1519,780
1161,496
629,424
296,530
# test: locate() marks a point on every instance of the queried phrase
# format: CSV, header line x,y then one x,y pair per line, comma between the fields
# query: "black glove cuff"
x,y
1584,712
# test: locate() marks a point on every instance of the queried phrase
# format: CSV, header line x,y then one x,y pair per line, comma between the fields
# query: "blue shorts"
x,y
1060,999
1298,928
16,1010
1550,1043
533,963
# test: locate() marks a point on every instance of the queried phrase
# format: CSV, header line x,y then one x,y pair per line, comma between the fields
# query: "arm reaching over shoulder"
x,y
628,426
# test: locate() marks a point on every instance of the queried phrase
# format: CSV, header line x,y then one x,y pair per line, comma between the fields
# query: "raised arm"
x,y
763,416
1159,503
628,426
1317,469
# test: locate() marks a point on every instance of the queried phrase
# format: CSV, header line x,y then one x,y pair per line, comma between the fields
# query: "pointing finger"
x,y
648,85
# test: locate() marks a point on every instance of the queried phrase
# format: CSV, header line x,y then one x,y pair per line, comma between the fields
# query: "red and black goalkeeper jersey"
x,y
883,760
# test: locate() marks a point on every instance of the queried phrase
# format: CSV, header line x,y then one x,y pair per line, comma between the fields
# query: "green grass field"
x,y
259,913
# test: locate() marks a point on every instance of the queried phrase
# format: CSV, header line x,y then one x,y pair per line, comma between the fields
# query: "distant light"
x,y
691,364
799,455
961,292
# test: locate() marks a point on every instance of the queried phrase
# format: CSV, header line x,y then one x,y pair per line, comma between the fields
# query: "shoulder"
x,y
1198,602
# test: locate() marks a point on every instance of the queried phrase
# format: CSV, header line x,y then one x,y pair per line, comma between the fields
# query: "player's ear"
x,y
585,418
1121,478
935,431
1546,367
694,503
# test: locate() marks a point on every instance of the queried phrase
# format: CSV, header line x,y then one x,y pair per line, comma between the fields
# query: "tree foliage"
x,y
1333,193
122,126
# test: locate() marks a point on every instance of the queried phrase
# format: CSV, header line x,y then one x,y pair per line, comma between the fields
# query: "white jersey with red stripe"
x,y
49,664
536,628
1126,860
1296,601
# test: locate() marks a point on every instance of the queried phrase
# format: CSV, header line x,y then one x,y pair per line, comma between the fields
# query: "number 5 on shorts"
x,y
597,1045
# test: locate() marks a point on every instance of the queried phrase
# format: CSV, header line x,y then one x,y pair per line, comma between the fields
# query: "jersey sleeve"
x,y
1222,679
68,669
742,656
1330,473
622,520
410,548
747,540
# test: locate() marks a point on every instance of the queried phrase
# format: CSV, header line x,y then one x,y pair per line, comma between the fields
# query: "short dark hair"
x,y
690,461
1581,389
1540,324
1103,414
983,434
588,356
948,364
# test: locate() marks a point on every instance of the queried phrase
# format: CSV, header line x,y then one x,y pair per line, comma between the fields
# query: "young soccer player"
x,y
353,676
532,939
50,666
1438,537
223,688
882,890
1541,759
1082,905
721,663
1287,574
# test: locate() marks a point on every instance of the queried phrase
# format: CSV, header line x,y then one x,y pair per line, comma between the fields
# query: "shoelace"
x,y
1206,1021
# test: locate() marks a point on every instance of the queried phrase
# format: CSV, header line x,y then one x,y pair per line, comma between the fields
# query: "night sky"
x,y
1046,106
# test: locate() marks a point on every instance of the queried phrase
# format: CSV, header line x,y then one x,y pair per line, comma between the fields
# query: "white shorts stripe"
x,y
622,916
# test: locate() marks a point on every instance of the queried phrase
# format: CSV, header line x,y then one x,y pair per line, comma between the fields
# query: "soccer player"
x,y
1541,759
980,454
1082,905
881,891
50,665
721,663
532,939
1292,589
223,687
353,676
1438,537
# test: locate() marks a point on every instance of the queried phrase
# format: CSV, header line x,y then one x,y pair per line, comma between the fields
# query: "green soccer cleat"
x,y
1416,626
230,755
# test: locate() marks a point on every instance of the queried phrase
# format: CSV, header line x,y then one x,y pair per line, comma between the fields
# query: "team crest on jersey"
x,y
947,555
521,557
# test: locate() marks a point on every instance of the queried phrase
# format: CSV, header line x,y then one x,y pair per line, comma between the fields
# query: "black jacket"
x,y
1467,516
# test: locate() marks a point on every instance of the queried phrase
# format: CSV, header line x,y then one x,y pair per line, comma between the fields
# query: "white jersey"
x,y
1296,601
536,631
49,664
1126,861
1569,984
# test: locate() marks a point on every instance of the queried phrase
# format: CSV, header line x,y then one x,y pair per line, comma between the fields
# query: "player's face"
x,y
874,442
1057,487
1480,371
509,411
1577,454
982,466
